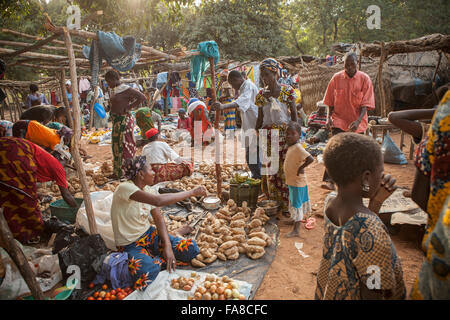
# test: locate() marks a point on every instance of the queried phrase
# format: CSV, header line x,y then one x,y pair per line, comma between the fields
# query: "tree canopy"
x,y
243,29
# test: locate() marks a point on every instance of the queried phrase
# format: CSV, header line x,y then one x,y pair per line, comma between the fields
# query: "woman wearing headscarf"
x,y
150,248
123,100
24,164
198,112
165,162
276,107
47,138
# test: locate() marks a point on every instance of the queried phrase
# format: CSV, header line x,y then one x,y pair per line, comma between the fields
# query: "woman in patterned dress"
x,y
123,100
276,107
150,248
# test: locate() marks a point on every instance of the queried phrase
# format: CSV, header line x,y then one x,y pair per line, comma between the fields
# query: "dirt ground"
x,y
292,276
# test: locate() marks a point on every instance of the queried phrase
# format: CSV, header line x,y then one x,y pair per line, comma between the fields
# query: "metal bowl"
x,y
269,206
211,203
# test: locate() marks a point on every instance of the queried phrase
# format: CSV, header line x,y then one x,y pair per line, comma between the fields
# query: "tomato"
x,y
91,298
127,289
113,292
108,295
91,285
99,298
106,299
96,293
104,287
113,297
120,296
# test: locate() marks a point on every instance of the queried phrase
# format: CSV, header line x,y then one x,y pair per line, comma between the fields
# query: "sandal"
x,y
34,240
310,223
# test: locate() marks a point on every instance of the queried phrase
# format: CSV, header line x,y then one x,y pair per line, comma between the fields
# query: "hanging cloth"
x,y
200,63
120,53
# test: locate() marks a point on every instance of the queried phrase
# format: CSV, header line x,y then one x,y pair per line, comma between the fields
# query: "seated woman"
x,y
42,135
317,129
35,98
159,153
150,248
27,165
198,113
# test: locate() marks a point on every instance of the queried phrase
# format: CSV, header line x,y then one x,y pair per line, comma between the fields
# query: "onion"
x,y
220,290
187,288
207,296
234,285
225,279
241,297
197,296
202,290
221,297
176,285
215,296
228,293
207,284
235,293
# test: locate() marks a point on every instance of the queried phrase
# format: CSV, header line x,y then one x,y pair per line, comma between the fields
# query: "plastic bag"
x,y
392,153
100,110
84,253
101,202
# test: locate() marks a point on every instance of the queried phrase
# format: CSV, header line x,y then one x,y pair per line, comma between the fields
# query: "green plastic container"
x,y
63,211
245,192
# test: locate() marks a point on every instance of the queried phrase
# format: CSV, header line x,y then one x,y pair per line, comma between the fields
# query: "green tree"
x,y
246,29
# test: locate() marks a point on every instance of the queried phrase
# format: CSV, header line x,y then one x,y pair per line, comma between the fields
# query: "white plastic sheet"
x,y
160,289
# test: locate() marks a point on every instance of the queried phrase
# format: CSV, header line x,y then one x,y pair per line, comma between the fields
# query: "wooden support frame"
x,y
380,81
8,242
216,125
77,134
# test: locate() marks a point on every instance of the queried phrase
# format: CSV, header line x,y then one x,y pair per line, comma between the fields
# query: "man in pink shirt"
x,y
349,95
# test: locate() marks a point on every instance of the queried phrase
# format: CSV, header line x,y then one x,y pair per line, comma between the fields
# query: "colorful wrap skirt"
x,y
145,256
299,205
274,186
123,143
17,169
172,171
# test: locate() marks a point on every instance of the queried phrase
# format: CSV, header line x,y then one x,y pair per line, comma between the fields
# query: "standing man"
x,y
349,95
245,103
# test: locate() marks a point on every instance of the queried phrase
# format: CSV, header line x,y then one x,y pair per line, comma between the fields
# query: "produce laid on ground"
x,y
232,231
106,294
209,180
97,181
211,288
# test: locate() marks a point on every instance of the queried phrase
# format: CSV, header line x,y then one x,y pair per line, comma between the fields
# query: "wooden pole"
x,y
91,107
28,36
3,110
29,45
380,81
76,137
37,45
433,81
216,125
62,85
8,242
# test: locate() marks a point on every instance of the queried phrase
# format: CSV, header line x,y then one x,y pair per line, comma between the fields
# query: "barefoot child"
x,y
359,259
297,159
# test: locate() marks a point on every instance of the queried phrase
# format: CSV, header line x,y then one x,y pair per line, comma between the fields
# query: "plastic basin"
x,y
63,211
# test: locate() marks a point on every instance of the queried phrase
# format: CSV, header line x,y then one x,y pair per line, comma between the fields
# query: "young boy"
x,y
359,259
297,159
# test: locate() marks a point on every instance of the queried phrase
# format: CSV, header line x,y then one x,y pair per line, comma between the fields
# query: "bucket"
x,y
245,192
63,211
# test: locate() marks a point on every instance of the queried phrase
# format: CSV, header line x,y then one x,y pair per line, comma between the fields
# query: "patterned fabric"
x,y
199,114
315,119
144,120
146,257
275,185
123,144
133,166
299,205
433,282
349,253
433,159
272,65
287,95
18,169
55,125
172,171
8,125
230,119
41,135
